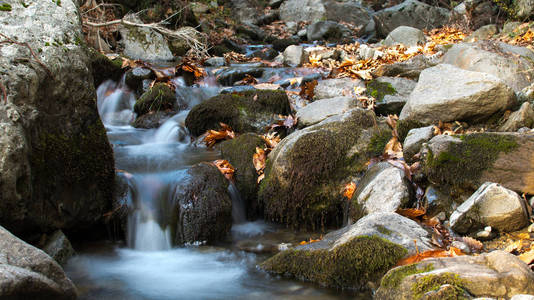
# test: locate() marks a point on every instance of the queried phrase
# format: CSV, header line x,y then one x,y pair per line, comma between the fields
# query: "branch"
x,y
9,40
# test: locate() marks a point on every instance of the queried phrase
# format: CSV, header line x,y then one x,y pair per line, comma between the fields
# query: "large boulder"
x,y
28,273
447,93
302,10
327,30
390,93
405,35
306,172
524,8
411,68
410,13
465,162
56,165
245,111
320,110
354,255
497,275
202,208
513,64
144,43
158,98
524,117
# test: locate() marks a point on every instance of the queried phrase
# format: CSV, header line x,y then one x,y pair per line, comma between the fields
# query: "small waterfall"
x,y
115,103
238,205
173,130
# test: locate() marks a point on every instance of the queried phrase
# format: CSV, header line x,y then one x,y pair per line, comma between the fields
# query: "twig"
x,y
24,44
4,92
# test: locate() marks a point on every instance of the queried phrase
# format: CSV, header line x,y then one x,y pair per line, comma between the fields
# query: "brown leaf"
x,y
430,254
411,213
211,137
258,160
225,168
307,90
349,190
473,244
248,80
527,257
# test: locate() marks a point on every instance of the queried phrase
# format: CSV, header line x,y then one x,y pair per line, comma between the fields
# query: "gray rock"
x,y
513,64
56,164
524,117
215,61
491,205
483,33
229,76
497,274
59,247
144,43
318,111
294,56
510,27
275,3
447,93
410,13
327,30
524,8
351,12
245,11
522,297
28,273
415,139
134,77
365,52
302,10
411,68
392,93
331,88
405,35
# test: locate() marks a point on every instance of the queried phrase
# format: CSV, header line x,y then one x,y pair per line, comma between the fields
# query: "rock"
x,y
318,111
491,205
265,53
229,76
56,164
28,273
483,33
202,206
354,255
215,62
522,297
245,11
134,77
104,68
405,35
294,56
447,93
153,119
159,98
302,10
365,52
268,18
465,162
383,188
305,171
352,12
248,111
59,247
275,3
239,152
391,93
497,274
524,117
439,203
282,44
410,13
251,31
513,64
144,43
411,68
415,139
226,46
331,88
327,30
524,8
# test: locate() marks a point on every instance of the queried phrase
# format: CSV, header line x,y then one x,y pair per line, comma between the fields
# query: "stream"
x,y
147,265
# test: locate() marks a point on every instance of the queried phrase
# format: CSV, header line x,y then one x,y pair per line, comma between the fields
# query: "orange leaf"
x,y
211,137
225,168
411,213
430,254
528,257
349,190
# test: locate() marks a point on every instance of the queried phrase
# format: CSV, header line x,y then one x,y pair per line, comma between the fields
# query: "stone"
x,y
144,43
59,248
410,13
390,93
320,110
524,117
513,64
265,53
245,11
152,119
352,12
327,30
411,68
491,205
282,44
383,188
522,297
447,93
134,77
294,56
229,76
414,141
56,164
524,8
405,35
215,62
336,87
159,98
252,31
28,273
302,10
483,33
496,274
275,3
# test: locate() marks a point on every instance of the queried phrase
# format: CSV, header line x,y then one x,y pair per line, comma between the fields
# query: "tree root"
x,y
9,40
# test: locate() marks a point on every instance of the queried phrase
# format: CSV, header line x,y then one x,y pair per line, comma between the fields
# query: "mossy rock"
x,y
159,98
349,266
247,111
305,174
378,89
104,68
281,44
404,126
239,152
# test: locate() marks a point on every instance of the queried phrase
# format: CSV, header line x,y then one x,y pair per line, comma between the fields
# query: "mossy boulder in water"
x,y
159,98
239,152
306,172
247,111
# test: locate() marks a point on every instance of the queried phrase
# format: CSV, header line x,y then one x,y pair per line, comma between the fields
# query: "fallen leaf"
x,y
527,257
225,168
349,190
307,90
411,213
211,137
473,244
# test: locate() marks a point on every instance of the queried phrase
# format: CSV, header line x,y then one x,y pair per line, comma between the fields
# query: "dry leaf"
x,y
225,167
473,244
211,137
528,257
307,90
349,190
411,213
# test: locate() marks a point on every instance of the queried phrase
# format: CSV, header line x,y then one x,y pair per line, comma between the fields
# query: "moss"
x,y
378,142
404,126
159,98
433,282
463,163
351,265
383,230
102,67
378,89
5,7
394,277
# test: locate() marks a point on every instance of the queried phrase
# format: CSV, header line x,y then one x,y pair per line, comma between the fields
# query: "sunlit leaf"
x,y
225,168
349,190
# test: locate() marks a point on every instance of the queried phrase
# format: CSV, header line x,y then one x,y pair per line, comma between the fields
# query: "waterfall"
x,y
239,215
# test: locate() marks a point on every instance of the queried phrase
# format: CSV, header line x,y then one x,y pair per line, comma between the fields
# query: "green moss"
x,y
378,142
159,98
102,67
378,89
394,277
351,265
404,126
433,282
383,230
463,163
5,7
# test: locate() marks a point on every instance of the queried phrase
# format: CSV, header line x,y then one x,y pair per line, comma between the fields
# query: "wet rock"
x,y
405,35
465,162
229,76
275,3
447,93
383,188
497,274
354,255
226,46
414,141
318,111
411,68
305,171
302,10
253,32
239,152
134,77
439,203
56,164
159,98
247,111
268,18
294,56
327,30
265,53
202,207
513,64
483,33
491,205
152,119
104,68
282,44
144,43
28,273
410,13
215,62
331,88
391,93
59,247
524,117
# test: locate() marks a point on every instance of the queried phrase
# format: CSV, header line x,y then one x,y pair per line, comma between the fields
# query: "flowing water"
x,y
148,266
